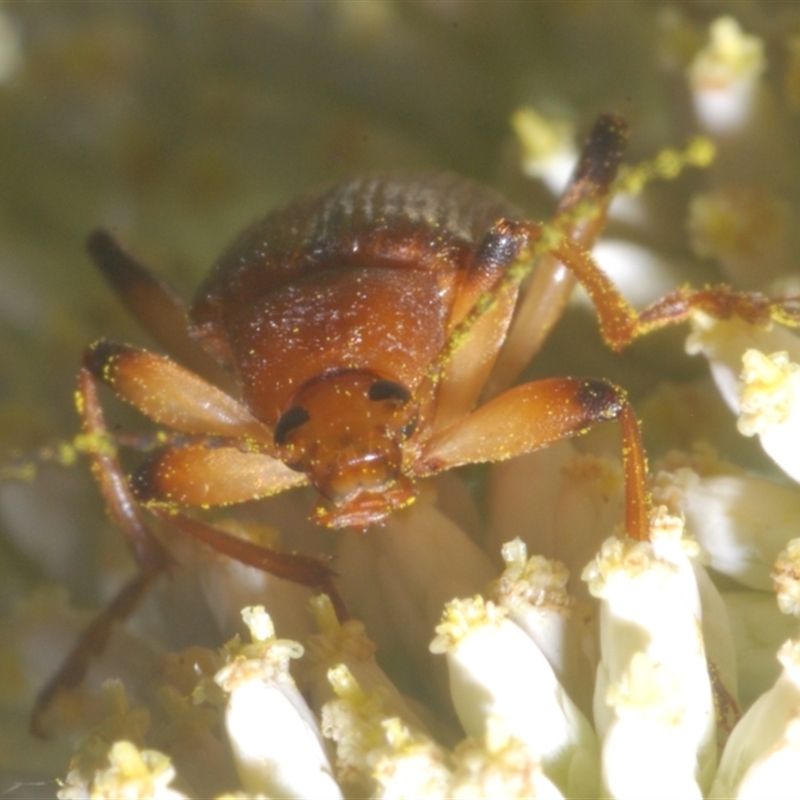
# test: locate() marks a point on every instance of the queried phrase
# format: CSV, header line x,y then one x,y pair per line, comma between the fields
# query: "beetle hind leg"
x,y
720,302
153,303
620,324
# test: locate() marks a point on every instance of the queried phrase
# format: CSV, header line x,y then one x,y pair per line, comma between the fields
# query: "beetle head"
x,y
347,432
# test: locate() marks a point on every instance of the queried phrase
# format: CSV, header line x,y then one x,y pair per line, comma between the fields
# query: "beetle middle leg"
x,y
620,324
227,464
148,552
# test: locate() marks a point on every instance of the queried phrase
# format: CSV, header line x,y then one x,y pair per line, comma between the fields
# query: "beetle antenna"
x,y
666,166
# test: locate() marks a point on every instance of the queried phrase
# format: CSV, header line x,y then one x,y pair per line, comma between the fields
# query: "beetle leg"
x,y
304,570
150,383
620,324
720,302
91,643
153,303
124,511
200,475
534,415
581,215
170,394
203,475
120,502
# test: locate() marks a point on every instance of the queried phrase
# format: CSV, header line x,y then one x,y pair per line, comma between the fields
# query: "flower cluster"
x,y
598,666
664,700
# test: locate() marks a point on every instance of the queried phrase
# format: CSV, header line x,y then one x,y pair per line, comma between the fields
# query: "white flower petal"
x,y
345,645
549,151
276,742
767,391
724,342
758,629
775,775
412,766
769,405
354,721
559,503
653,699
132,774
499,766
533,591
786,576
724,76
496,670
767,740
746,228
741,522
646,752
717,635
397,579
524,495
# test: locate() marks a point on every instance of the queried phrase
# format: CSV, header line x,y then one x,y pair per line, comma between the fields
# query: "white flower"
x,y
723,76
549,151
769,405
653,695
786,576
741,521
275,738
345,646
132,774
499,766
761,757
762,389
496,670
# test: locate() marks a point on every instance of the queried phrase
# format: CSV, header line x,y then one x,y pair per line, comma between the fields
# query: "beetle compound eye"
x,y
388,390
292,419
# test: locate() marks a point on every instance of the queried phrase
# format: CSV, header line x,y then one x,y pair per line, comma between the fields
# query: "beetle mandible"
x,y
346,342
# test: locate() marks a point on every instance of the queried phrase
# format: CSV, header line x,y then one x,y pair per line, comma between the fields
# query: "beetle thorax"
x,y
347,430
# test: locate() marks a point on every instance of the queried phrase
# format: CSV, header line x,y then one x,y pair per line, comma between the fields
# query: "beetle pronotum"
x,y
355,333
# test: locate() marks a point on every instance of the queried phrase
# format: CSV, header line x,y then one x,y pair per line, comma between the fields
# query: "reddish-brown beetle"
x,y
355,332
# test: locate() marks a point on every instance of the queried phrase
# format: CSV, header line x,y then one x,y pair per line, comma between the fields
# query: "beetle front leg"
x,y
534,415
121,505
170,394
